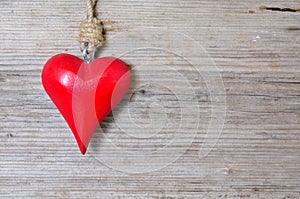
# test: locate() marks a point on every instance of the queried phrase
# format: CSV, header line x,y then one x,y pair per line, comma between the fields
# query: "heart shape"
x,y
85,93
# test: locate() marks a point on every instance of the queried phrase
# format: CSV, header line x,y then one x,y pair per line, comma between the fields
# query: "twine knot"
x,y
91,31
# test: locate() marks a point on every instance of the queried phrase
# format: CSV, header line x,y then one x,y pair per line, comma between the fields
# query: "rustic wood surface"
x,y
155,145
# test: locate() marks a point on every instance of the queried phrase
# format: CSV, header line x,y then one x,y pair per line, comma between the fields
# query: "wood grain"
x,y
256,52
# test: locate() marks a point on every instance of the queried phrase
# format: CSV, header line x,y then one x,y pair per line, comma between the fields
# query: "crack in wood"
x,y
279,9
293,28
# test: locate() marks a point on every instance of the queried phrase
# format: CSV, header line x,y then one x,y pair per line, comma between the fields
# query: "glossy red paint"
x,y
85,93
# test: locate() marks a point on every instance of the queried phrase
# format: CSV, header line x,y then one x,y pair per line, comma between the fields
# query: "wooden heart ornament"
x,y
85,93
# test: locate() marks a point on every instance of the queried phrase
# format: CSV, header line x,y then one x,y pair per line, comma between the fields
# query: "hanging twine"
x,y
91,31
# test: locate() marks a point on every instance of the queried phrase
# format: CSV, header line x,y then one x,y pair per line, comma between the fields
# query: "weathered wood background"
x,y
256,52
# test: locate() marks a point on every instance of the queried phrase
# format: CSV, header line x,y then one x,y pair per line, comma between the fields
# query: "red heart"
x,y
85,93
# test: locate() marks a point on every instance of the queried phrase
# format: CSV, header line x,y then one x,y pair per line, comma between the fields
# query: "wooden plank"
x,y
152,145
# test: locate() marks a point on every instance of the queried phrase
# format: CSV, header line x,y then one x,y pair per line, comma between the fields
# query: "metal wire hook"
x,y
87,57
